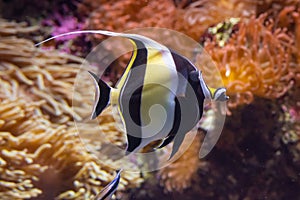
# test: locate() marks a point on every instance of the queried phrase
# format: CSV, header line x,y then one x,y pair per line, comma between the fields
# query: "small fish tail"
x,y
108,191
102,99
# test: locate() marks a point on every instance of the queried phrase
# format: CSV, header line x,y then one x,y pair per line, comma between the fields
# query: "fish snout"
x,y
220,95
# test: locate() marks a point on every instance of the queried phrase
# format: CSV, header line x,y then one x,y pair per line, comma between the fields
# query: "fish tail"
x,y
102,99
109,190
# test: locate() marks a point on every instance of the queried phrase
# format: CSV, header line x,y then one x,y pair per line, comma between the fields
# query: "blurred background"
x,y
254,44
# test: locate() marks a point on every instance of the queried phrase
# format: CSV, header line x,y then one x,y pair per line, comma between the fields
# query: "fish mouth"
x,y
220,94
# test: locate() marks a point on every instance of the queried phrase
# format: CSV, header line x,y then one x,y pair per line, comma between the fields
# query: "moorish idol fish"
x,y
156,94
109,190
159,97
156,75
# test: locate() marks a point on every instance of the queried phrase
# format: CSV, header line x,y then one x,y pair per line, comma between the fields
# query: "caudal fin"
x,y
102,98
109,190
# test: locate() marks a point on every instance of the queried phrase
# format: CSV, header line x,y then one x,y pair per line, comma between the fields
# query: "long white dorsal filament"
x,y
102,32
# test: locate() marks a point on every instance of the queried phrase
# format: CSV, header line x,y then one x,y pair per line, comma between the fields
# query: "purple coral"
x,y
65,19
63,24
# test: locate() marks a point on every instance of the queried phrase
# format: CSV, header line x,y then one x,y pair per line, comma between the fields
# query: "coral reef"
x,y
175,176
125,15
290,130
57,22
248,68
13,28
55,17
276,8
285,15
33,149
63,24
41,77
191,18
37,133
253,145
196,18
255,44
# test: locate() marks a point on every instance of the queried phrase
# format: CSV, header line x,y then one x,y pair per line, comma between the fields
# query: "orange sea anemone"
x,y
178,175
190,18
255,61
200,15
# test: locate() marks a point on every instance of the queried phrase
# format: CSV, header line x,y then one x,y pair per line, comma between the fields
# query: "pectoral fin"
x,y
177,143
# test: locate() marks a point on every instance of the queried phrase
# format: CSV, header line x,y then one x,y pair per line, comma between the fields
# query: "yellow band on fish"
x,y
212,92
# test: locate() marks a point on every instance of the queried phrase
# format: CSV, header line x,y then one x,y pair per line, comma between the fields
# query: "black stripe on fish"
x,y
131,94
185,69
190,115
191,74
191,109
189,88
102,93
177,119
183,65
195,83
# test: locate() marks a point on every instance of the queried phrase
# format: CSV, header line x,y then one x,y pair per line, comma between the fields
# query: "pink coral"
x,y
63,24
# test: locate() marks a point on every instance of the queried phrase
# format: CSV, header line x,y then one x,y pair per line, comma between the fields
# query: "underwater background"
x,y
254,44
